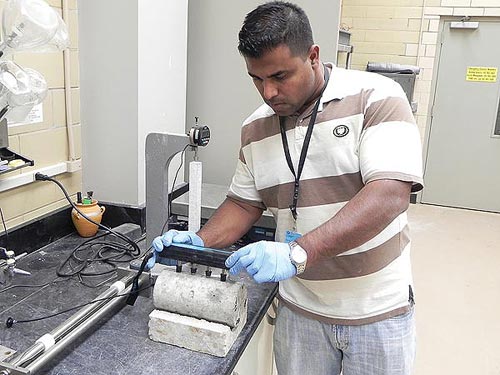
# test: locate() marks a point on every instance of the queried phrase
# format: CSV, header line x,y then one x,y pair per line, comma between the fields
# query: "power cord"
x,y
134,291
42,177
135,283
4,229
111,247
11,321
105,252
109,252
173,186
90,252
30,285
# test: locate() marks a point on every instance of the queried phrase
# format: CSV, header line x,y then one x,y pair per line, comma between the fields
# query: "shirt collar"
x,y
334,88
331,92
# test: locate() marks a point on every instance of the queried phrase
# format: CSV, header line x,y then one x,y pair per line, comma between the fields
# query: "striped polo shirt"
x,y
364,131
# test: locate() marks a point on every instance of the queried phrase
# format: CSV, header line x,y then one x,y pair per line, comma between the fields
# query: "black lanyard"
x,y
305,146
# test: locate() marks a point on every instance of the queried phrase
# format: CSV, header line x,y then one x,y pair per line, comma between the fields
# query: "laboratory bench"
x,y
119,343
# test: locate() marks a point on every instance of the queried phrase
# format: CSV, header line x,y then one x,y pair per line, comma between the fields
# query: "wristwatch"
x,y
298,257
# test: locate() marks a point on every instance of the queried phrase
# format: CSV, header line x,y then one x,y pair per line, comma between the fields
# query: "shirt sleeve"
x,y
390,146
242,186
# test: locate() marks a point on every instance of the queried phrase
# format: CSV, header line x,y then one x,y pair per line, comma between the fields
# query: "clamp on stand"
x,y
8,265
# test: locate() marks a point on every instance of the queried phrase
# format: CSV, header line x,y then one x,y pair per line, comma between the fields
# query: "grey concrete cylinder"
x,y
201,297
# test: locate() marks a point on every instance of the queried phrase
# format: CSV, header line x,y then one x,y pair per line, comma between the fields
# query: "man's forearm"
x,y
229,223
361,219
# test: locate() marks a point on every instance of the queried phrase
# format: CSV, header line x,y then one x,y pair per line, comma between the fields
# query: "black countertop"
x,y
119,344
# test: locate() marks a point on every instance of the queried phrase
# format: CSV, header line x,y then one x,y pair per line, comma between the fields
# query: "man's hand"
x,y
172,236
265,261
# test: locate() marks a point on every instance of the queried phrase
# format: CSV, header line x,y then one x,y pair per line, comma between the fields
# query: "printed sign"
x,y
34,116
481,74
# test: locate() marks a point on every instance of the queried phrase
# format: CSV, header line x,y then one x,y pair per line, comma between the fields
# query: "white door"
x,y
463,152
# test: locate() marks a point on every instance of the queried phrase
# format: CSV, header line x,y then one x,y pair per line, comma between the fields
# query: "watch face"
x,y
299,255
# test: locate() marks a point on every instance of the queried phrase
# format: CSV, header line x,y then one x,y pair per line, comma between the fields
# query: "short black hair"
x,y
272,24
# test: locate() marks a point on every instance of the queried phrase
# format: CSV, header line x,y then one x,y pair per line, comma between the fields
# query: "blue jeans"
x,y
310,347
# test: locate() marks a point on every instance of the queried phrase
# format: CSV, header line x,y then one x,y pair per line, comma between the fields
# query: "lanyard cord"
x,y
305,147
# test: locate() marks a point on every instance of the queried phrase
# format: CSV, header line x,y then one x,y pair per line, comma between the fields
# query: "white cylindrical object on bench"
x,y
195,175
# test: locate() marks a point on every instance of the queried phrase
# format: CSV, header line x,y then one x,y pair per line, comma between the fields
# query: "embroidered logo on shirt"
x,y
341,131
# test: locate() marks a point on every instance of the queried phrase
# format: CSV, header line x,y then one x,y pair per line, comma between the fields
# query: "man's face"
x,y
285,82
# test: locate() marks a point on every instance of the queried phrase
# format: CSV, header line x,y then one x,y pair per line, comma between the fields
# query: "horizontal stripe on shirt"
x,y
359,264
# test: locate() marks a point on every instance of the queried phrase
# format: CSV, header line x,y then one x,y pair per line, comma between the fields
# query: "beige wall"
x,y
46,142
405,32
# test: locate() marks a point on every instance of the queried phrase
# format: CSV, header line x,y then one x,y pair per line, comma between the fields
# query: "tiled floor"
x,y
456,264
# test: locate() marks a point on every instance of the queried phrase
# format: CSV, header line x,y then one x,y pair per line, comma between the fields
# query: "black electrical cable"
x,y
135,283
85,262
134,291
97,255
4,227
172,190
115,252
90,252
42,177
41,286
11,321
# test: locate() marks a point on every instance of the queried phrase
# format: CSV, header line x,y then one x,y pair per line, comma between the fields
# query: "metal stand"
x,y
160,150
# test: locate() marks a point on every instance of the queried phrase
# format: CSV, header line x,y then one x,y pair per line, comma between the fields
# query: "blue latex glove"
x,y
265,261
172,236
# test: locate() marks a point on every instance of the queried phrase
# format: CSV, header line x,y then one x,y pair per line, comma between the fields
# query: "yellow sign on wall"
x,y
481,74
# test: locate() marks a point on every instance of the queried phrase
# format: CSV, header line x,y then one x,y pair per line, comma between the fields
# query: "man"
x,y
333,155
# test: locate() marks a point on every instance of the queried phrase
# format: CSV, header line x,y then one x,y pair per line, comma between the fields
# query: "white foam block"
x,y
191,333
195,176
